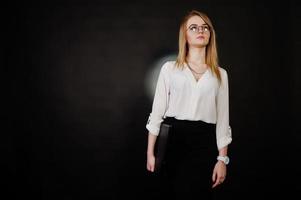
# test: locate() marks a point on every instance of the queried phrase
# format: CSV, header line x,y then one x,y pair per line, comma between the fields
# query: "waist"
x,y
198,123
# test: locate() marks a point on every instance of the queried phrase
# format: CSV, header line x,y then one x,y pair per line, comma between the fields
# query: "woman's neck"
x,y
196,55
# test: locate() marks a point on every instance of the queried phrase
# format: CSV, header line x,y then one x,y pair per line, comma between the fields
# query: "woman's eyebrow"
x,y
197,24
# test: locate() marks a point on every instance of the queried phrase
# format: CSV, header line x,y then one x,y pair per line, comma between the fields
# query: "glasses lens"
x,y
193,28
205,28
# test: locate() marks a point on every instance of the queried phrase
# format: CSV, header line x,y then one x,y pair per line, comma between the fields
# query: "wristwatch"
x,y
225,159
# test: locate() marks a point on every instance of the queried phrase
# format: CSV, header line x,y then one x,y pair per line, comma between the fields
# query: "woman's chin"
x,y
199,45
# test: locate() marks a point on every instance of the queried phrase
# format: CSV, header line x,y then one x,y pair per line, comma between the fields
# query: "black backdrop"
x,y
75,105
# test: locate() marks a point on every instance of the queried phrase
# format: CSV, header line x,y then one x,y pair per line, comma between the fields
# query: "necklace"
x,y
195,71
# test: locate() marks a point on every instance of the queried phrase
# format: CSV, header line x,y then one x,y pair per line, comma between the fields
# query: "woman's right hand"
x,y
150,165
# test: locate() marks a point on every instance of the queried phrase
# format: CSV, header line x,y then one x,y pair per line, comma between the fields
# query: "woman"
x,y
192,96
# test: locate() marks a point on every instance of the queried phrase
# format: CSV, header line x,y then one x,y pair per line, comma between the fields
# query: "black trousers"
x,y
190,159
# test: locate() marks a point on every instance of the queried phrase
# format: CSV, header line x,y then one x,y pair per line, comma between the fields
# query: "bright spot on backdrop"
x,y
153,74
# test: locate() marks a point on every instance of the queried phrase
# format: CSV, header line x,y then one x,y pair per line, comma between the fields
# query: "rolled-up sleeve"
x,y
223,129
160,102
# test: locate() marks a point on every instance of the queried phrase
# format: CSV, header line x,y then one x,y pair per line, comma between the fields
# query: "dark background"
x,y
75,105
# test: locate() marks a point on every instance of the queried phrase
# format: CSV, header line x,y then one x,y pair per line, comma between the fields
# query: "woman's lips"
x,y
200,37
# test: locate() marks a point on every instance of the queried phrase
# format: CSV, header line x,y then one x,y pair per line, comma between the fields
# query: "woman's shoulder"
x,y
223,71
168,65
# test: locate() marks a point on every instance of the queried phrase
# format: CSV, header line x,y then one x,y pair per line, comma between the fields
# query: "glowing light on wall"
x,y
153,74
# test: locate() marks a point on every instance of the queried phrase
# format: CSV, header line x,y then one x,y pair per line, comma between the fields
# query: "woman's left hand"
x,y
219,173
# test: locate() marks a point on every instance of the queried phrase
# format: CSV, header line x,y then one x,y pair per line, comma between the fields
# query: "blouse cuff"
x,y
152,129
224,142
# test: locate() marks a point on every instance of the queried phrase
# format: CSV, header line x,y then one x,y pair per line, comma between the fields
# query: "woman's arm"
x,y
223,151
150,152
223,129
156,117
151,143
160,102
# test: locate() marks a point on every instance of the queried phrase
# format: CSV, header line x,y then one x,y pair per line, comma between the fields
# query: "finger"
x,y
215,184
218,181
214,175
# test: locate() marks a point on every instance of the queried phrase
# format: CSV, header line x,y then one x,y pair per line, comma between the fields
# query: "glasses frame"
x,y
199,28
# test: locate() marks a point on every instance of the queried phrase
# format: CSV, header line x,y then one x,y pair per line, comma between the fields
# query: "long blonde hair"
x,y
211,49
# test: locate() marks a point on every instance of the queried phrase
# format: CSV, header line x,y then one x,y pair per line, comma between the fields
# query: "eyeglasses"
x,y
196,29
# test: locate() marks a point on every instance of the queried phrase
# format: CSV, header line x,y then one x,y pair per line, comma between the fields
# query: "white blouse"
x,y
179,95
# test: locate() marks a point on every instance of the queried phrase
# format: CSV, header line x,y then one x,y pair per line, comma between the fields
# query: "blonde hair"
x,y
211,48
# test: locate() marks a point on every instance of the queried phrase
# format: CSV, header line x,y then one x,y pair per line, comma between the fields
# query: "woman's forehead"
x,y
195,20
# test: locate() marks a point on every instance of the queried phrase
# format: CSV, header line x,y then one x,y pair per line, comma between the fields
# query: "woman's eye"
x,y
193,29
